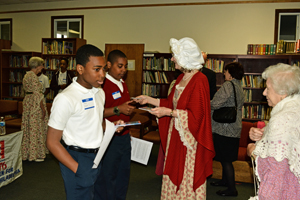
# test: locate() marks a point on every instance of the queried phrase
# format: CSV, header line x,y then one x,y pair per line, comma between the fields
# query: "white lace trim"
x,y
180,129
253,198
281,137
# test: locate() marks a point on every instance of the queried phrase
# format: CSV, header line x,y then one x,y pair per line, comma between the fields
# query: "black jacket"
x,y
211,77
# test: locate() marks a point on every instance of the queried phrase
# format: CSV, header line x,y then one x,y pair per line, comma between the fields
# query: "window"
x,y
67,26
6,29
287,25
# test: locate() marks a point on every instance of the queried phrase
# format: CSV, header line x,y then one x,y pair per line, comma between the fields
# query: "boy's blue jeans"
x,y
80,185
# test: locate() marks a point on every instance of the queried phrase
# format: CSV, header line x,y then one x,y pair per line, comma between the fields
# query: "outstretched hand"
x,y
126,108
142,99
120,128
160,111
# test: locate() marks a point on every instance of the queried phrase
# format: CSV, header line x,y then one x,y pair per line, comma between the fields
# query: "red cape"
x,y
196,100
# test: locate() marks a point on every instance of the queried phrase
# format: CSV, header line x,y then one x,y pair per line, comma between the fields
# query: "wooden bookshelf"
x,y
54,49
253,65
14,65
157,74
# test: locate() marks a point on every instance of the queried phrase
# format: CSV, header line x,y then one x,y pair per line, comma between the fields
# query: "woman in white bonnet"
x,y
185,126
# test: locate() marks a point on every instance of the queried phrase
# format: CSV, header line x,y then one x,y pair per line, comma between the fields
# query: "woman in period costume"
x,y
185,126
34,117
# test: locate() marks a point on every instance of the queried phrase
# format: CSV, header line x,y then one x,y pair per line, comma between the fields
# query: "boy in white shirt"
x,y
44,80
76,125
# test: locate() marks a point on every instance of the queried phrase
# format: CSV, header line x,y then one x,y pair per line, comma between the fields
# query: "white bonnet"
x,y
187,53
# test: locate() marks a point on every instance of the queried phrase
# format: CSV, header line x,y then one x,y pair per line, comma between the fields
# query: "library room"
x,y
130,61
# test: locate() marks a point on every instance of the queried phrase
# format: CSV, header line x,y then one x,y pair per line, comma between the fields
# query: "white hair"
x,y
34,62
284,78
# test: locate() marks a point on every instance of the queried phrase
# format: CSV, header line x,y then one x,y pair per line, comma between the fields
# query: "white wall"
x,y
217,28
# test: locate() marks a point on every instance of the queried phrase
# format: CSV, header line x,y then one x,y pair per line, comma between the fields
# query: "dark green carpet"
x,y
43,181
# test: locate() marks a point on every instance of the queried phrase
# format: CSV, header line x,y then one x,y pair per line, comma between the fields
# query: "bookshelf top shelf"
x,y
241,56
58,55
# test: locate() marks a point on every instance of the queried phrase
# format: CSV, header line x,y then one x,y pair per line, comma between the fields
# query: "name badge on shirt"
x,y
88,103
64,81
116,95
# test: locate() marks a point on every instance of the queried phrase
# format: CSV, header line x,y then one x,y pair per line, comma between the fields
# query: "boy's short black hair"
x,y
235,69
84,53
114,55
65,59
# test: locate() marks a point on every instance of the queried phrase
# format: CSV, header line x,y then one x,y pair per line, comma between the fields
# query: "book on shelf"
x,y
16,76
158,77
58,47
288,47
19,61
161,63
216,65
16,91
150,90
247,95
257,112
53,63
254,81
261,49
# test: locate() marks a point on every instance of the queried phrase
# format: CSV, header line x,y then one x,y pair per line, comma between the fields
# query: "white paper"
x,y
131,65
140,150
108,134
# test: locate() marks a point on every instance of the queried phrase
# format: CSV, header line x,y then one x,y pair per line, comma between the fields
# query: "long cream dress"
x,y
33,126
185,191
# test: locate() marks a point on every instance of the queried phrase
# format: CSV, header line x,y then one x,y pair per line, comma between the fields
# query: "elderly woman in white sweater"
x,y
277,150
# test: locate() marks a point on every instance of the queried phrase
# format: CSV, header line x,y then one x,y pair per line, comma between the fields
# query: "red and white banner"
x,y
10,157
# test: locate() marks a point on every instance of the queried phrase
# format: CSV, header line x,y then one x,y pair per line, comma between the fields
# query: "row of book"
x,y
288,47
158,77
247,95
58,47
16,91
53,63
260,112
254,81
261,49
215,64
153,63
16,76
151,90
19,61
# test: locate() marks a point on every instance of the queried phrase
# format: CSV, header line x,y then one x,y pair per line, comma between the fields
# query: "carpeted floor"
x,y
43,181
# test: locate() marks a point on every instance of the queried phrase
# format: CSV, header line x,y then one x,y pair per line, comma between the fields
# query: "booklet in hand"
x,y
146,109
130,123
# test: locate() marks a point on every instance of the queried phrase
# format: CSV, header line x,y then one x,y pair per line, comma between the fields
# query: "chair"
x,y
148,128
245,140
151,133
